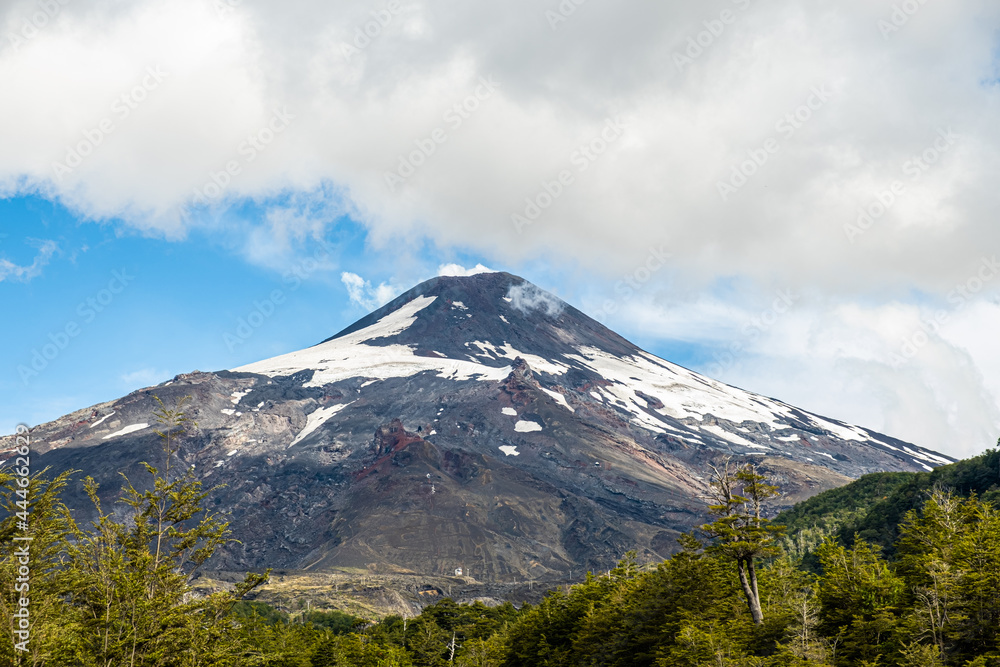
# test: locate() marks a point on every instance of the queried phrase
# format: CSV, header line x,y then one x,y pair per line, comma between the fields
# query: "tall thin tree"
x,y
741,531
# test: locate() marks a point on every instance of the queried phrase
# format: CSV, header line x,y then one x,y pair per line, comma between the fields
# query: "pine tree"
x,y
131,581
741,531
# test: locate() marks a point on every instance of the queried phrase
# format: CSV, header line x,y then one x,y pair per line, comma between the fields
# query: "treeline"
x,y
874,506
926,593
936,603
445,633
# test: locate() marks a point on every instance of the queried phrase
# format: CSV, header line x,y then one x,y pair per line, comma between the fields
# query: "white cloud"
x,y
877,365
356,118
528,298
884,100
459,270
364,295
144,377
11,271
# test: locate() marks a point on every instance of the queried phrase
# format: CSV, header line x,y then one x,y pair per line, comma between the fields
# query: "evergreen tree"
x,y
949,555
54,625
131,581
861,600
741,531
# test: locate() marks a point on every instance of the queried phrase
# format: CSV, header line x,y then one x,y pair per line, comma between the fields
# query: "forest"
x,y
892,570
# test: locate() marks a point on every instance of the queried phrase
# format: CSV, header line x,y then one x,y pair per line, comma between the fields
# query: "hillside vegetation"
x,y
905,572
874,506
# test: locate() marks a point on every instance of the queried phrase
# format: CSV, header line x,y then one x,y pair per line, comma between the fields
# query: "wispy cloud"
x,y
362,293
896,368
528,298
14,272
144,377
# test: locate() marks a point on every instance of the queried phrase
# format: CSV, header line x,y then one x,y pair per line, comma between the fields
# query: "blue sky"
x,y
176,302
110,310
799,200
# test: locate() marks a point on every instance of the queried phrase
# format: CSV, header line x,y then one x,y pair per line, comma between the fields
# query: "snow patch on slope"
x,y
717,430
523,426
926,456
125,431
684,394
507,351
102,419
842,432
316,419
349,356
558,398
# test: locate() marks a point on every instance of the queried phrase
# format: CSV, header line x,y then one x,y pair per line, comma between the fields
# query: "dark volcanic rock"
x,y
472,422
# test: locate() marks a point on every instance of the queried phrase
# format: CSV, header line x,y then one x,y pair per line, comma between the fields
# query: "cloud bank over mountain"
x,y
847,152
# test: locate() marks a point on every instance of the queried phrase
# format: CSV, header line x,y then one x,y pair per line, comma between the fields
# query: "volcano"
x,y
473,422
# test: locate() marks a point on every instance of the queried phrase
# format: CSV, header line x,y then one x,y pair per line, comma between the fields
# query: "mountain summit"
x,y
473,422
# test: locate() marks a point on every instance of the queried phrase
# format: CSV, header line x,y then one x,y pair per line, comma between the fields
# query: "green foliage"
x,y
547,634
741,532
50,527
118,593
487,652
860,599
247,610
335,621
880,524
874,506
808,523
949,553
352,650
130,580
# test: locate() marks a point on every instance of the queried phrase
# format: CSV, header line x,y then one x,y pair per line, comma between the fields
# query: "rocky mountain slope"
x,y
473,422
